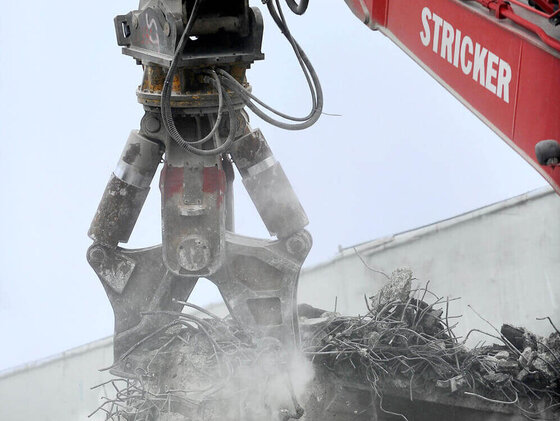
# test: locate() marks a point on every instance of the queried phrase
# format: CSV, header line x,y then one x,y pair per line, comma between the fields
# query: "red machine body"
x,y
500,59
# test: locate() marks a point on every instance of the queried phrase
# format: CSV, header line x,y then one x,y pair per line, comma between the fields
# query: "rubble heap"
x,y
206,369
404,341
211,369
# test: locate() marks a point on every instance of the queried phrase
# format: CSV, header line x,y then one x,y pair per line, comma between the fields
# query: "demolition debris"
x,y
211,369
404,342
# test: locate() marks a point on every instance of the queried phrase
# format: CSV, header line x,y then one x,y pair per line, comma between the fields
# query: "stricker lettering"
x,y
474,60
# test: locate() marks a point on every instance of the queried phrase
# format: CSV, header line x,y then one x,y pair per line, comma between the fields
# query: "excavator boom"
x,y
500,59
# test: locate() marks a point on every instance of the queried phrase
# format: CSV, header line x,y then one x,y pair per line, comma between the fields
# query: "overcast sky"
x,y
404,153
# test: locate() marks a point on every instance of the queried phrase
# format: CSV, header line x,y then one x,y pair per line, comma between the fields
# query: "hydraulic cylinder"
x,y
126,191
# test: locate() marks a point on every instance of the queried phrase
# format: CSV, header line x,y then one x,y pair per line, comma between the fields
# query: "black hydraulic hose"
x,y
189,145
309,71
266,117
281,23
247,95
166,111
218,85
305,64
167,84
298,9
233,126
314,84
235,86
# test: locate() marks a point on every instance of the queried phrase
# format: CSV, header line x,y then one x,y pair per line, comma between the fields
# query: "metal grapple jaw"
x,y
256,277
258,283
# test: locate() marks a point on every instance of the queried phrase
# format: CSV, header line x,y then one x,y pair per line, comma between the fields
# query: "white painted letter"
x,y
457,47
437,24
491,71
425,34
152,26
504,78
466,65
447,42
478,68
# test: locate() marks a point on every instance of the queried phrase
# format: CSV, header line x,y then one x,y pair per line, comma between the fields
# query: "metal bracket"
x,y
112,266
259,283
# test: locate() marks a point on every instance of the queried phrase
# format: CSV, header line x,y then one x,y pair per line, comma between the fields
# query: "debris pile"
x,y
533,360
405,341
212,369
206,369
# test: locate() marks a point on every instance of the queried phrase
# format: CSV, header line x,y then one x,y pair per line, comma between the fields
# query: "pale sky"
x,y
404,153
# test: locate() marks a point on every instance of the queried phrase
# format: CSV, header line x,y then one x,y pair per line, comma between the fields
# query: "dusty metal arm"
x,y
257,278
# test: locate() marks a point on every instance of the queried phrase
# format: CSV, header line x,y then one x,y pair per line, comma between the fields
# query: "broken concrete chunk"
x,y
522,375
519,337
527,357
502,355
546,363
514,335
373,339
497,378
507,366
309,312
491,359
454,384
458,383
553,341
397,290
432,318
443,384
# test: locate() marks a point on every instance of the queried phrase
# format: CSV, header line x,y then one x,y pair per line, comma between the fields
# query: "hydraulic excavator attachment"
x,y
501,59
195,55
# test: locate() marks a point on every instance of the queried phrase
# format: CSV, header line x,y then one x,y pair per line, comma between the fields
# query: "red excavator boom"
x,y
500,59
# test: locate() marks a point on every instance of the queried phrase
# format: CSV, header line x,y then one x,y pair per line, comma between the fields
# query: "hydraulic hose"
x,y
312,79
166,111
308,70
298,9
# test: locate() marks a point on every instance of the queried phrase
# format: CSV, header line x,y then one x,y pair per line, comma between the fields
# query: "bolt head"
x,y
97,255
152,124
299,243
194,253
295,245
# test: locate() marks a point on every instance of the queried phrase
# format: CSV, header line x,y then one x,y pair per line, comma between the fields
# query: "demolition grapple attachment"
x,y
194,55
